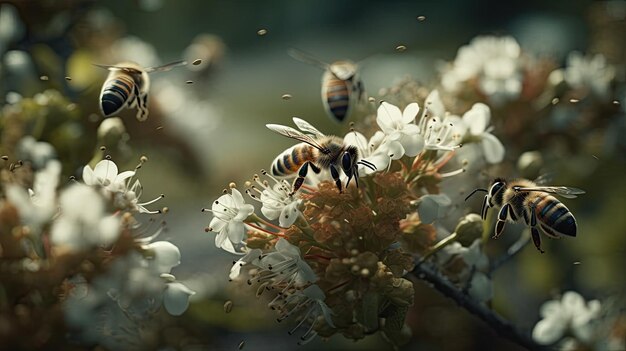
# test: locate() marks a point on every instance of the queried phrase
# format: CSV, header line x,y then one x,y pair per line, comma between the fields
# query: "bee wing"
x,y
294,134
564,191
544,178
166,67
307,58
307,127
117,68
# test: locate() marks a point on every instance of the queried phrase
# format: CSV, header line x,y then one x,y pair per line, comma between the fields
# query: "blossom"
x,y
38,152
165,255
496,64
38,205
570,314
309,303
229,212
589,72
105,174
438,134
285,265
477,121
400,129
83,222
278,200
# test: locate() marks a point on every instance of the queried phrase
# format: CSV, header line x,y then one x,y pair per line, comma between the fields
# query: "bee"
x,y
341,84
127,85
317,152
522,198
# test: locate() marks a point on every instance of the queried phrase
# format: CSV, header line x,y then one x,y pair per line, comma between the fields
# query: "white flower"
x,y
229,212
38,152
83,222
285,266
477,122
105,174
495,63
570,314
37,206
278,201
399,127
309,304
176,298
589,72
432,207
375,151
437,129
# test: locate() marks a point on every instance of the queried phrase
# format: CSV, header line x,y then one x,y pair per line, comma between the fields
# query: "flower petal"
x,y
106,169
288,215
493,148
548,331
237,197
388,116
413,144
88,176
433,105
166,255
410,112
176,298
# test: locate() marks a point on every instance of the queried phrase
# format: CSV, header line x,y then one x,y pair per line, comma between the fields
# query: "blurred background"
x,y
206,129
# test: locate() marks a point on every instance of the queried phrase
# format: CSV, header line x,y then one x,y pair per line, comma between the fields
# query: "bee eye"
x,y
346,161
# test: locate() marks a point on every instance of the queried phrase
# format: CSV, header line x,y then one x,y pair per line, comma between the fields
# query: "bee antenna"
x,y
475,190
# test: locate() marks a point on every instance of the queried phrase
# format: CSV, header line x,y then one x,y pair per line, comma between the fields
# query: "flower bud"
x,y
111,131
470,228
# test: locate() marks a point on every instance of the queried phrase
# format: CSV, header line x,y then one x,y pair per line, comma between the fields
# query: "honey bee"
x,y
127,85
522,198
341,84
316,151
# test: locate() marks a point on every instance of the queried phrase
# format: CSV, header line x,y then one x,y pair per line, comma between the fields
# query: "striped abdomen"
x,y
553,216
290,160
116,92
336,94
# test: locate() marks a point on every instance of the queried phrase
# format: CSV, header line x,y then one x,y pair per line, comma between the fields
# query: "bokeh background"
x,y
206,129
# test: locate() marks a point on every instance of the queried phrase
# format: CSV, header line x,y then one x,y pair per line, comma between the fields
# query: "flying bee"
x,y
127,85
341,85
522,198
316,151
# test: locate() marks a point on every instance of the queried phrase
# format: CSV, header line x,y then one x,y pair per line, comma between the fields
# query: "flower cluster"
x,y
94,262
336,261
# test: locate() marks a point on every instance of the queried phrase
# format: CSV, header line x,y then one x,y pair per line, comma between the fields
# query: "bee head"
x,y
496,191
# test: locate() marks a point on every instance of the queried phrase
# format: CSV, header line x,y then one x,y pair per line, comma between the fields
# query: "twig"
x,y
496,322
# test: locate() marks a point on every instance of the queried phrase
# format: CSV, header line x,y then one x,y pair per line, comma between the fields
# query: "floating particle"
x,y
286,96
615,102
555,101
400,48
189,82
573,101
261,32
68,78
242,344
5,157
577,262
196,62
421,18
228,306
159,128
44,78
371,99
596,157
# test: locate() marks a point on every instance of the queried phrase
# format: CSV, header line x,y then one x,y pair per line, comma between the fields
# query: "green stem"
x,y
440,245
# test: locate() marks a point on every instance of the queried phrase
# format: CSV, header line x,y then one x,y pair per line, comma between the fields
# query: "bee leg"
x,y
142,104
534,232
315,169
485,208
335,174
502,216
302,172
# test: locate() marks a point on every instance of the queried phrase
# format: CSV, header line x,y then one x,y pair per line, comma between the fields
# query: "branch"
x,y
503,327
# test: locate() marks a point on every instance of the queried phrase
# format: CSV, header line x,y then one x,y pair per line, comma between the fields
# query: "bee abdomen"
x,y
337,97
556,216
115,93
290,161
